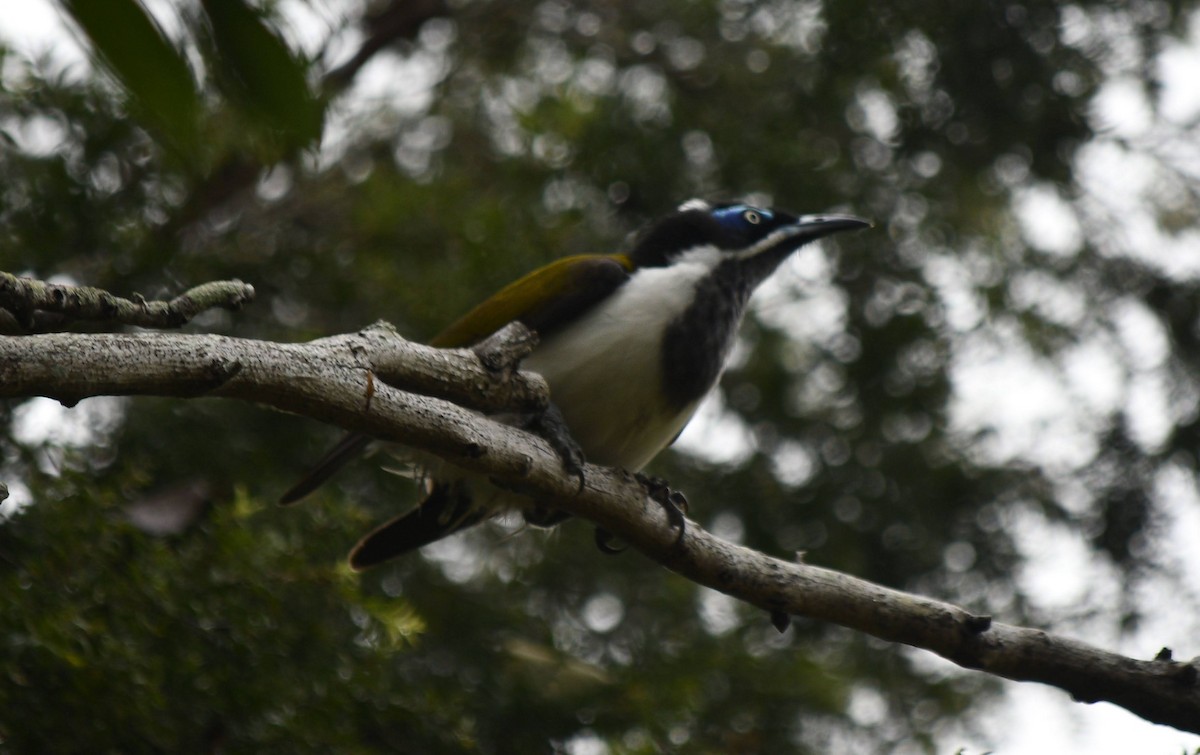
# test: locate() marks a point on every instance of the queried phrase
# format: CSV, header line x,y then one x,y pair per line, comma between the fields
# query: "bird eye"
x,y
752,217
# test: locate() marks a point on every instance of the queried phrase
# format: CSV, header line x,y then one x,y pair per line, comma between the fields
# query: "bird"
x,y
628,343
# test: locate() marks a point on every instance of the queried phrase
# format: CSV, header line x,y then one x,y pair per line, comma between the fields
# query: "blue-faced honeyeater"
x,y
629,344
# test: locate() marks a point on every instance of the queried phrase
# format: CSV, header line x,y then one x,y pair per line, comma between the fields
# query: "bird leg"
x,y
549,424
672,501
607,543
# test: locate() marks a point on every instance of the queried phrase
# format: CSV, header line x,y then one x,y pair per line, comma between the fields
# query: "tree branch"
x,y
334,380
28,300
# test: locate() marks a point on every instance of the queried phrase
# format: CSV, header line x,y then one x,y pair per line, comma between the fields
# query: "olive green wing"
x,y
545,300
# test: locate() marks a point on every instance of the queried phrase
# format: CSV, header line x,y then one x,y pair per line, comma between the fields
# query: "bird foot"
x,y
607,543
550,425
674,503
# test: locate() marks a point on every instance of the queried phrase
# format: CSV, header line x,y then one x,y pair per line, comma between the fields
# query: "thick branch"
x,y
333,379
26,298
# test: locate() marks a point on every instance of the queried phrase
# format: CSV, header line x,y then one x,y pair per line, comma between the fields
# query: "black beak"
x,y
790,236
812,227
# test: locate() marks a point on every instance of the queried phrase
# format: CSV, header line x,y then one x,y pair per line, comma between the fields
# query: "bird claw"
x,y
550,425
605,540
674,503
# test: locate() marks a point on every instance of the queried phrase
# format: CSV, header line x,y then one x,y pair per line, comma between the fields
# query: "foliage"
x,y
512,134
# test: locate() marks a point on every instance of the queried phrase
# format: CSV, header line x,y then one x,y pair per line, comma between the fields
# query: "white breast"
x,y
605,370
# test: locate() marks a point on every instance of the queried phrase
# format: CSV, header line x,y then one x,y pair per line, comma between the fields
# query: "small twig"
x,y
24,298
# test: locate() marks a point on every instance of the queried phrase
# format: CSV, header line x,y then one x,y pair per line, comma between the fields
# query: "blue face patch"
x,y
741,217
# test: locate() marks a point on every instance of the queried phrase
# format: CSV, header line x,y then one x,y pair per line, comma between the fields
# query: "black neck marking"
x,y
697,343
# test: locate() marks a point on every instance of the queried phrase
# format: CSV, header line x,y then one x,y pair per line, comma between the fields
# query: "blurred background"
x,y
991,398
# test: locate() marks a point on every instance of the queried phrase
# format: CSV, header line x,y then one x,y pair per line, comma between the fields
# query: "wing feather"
x,y
545,300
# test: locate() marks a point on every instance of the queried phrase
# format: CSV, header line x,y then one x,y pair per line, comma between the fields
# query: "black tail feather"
x,y
448,509
349,448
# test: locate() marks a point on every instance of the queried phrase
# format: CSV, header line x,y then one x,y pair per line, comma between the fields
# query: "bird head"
x,y
752,241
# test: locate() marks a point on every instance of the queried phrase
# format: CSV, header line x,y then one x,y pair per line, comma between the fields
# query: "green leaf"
x,y
261,75
131,45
